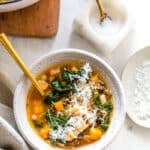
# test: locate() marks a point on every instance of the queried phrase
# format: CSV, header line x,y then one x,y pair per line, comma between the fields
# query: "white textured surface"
x,y
131,136
107,35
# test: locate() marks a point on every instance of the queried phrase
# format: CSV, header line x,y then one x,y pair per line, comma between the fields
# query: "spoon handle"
x,y
99,3
6,43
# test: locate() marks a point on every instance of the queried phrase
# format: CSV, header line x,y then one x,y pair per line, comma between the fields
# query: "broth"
x,y
77,108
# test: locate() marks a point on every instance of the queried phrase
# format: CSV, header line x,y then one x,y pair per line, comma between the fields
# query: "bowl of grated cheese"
x,y
23,93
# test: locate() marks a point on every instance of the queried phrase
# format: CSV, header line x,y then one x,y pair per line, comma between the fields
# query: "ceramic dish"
x,y
11,5
105,36
130,83
69,55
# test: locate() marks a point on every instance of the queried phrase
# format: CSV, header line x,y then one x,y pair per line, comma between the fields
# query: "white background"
x,y
131,137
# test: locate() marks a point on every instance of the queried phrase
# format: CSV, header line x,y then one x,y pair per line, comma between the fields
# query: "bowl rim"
x,y
9,1
83,52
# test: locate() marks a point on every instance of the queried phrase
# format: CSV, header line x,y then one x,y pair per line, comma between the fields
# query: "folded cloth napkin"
x,y
7,114
6,89
10,139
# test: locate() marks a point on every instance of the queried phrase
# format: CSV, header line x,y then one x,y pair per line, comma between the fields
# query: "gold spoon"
x,y
6,43
103,14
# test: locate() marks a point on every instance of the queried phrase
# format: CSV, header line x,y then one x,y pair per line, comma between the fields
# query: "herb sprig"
x,y
56,120
107,107
63,85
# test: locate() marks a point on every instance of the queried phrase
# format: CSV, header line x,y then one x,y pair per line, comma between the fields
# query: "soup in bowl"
x,y
83,106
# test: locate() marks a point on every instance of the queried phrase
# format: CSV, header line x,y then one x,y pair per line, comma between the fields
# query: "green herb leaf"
x,y
58,90
38,124
106,107
55,120
67,75
71,76
80,72
57,86
68,88
52,97
103,122
96,96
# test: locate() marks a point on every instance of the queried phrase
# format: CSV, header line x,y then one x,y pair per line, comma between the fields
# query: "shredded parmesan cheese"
x,y
79,102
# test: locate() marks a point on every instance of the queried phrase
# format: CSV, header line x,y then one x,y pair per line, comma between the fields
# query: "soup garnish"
x,y
77,108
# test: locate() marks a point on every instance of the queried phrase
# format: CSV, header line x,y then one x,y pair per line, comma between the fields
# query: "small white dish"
x,y
107,35
59,56
130,83
12,5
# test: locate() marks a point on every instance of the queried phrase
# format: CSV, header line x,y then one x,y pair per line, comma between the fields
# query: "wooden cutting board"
x,y
38,20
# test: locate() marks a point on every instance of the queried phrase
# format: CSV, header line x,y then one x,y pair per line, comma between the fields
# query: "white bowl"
x,y
12,5
65,55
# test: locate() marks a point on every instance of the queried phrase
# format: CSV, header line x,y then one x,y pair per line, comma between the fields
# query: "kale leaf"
x,y
52,97
103,122
70,76
106,107
38,124
58,91
57,86
56,120
96,98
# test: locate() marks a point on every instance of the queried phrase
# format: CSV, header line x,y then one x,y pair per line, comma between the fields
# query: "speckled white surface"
x,y
107,35
131,136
